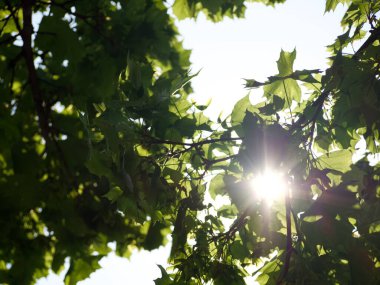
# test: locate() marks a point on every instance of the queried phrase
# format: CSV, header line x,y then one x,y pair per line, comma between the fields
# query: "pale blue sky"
x,y
227,52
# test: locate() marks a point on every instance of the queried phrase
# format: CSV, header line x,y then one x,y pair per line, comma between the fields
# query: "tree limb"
x,y
375,35
26,34
44,122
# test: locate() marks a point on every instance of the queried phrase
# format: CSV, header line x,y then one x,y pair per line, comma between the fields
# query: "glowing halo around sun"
x,y
269,186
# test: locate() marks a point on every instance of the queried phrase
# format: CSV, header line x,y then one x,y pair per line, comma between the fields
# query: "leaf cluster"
x,y
101,145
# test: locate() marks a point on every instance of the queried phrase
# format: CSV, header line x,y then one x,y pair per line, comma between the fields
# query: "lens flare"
x,y
269,186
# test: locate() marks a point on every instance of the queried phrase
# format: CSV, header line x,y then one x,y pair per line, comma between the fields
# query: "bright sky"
x,y
227,52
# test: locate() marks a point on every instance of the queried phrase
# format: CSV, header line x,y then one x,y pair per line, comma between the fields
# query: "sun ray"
x,y
269,186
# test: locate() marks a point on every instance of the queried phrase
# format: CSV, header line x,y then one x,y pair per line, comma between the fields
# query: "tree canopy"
x,y
100,143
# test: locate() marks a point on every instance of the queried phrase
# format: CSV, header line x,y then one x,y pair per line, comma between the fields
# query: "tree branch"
x,y
318,104
236,225
375,35
26,34
9,38
194,144
214,161
44,123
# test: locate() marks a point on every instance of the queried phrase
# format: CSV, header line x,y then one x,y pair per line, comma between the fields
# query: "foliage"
x,y
309,127
84,85
100,144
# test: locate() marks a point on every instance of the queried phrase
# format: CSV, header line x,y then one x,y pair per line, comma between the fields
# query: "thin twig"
x,y
11,15
236,225
298,230
194,144
318,104
214,161
272,79
84,18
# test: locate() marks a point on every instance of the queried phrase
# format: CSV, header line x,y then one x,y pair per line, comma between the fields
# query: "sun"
x,y
269,186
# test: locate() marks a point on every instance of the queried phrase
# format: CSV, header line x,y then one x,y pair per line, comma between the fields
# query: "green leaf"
x,y
98,164
306,75
180,231
311,219
213,5
80,269
129,207
268,109
183,9
228,211
269,268
130,173
224,274
331,4
238,113
285,62
181,81
10,25
287,90
216,186
262,278
164,279
154,238
238,250
175,175
114,194
240,193
336,200
278,102
186,126
362,266
202,241
340,160
49,39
